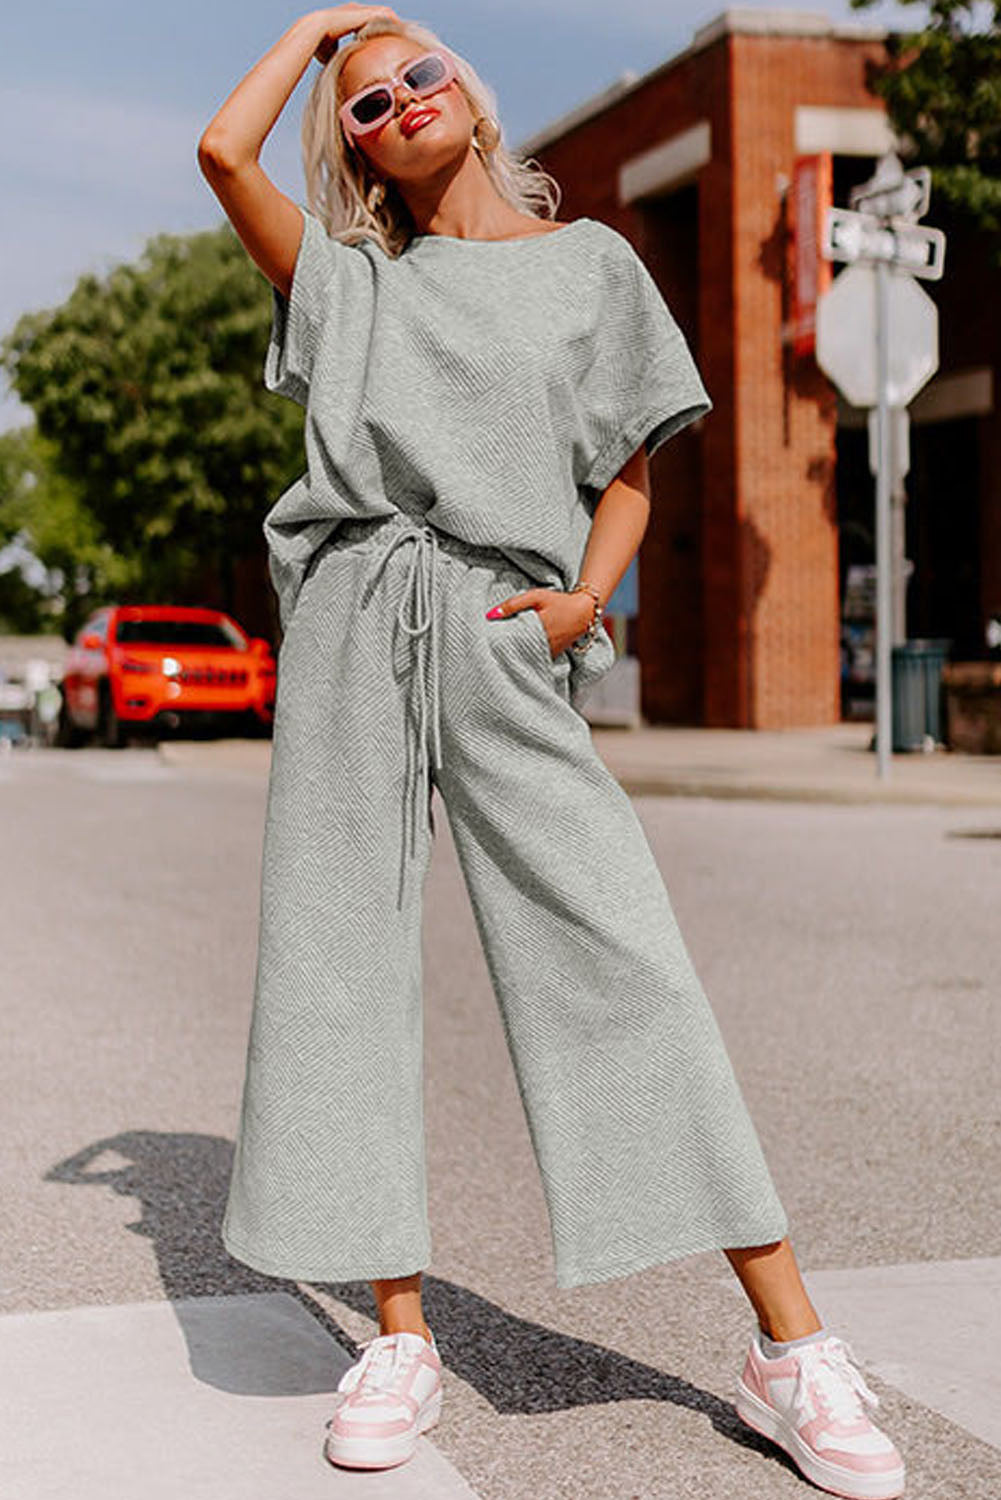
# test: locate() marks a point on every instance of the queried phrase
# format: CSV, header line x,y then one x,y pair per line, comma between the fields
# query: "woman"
x,y
483,387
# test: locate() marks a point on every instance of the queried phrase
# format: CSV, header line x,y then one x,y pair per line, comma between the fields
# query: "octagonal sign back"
x,y
846,336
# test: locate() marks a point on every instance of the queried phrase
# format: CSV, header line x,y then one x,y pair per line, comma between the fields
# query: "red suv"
x,y
138,669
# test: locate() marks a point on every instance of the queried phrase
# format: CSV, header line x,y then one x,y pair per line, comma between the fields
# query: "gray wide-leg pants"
x,y
391,682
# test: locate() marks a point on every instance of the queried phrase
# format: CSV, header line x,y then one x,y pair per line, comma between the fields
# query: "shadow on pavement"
x,y
181,1181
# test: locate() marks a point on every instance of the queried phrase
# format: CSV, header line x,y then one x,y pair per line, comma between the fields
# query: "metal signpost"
x,y
877,339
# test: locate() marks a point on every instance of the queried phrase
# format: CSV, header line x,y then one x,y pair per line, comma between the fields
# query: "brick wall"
x,y
788,626
758,480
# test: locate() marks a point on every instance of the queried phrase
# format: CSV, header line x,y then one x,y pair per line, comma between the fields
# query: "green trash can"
x,y
916,674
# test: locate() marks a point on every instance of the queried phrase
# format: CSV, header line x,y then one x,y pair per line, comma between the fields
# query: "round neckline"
x,y
519,239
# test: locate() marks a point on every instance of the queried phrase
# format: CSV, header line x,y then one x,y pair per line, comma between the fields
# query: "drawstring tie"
x,y
420,598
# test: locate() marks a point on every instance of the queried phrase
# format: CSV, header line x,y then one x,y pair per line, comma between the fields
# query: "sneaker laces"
x,y
839,1385
379,1367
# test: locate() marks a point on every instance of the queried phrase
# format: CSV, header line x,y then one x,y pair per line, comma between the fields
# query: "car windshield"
x,y
180,633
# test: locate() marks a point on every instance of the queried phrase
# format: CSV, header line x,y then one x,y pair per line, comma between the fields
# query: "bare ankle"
x,y
405,1326
398,1305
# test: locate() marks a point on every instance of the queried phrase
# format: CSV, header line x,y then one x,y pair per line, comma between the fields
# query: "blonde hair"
x,y
338,176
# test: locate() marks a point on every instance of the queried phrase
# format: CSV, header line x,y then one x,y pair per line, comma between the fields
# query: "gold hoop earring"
x,y
490,130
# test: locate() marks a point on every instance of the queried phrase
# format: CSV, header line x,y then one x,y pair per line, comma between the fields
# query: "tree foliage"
x,y
41,513
942,88
146,388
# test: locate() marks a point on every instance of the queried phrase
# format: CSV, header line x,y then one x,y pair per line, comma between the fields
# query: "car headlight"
x,y
171,667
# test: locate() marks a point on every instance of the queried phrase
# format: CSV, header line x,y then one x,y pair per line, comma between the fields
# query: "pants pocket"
x,y
540,632
588,666
558,665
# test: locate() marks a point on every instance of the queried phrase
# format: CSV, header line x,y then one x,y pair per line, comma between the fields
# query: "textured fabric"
x,y
644,1144
492,388
776,1348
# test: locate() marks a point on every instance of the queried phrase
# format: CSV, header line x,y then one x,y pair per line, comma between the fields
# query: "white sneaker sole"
x,y
771,1424
383,1453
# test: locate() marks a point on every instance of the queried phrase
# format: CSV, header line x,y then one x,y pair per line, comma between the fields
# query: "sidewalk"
x,y
829,764
208,1397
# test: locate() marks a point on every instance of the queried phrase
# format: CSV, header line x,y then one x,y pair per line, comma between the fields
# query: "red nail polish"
x,y
496,613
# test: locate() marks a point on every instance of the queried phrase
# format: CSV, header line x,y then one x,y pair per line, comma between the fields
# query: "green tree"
x,y
147,386
41,509
942,88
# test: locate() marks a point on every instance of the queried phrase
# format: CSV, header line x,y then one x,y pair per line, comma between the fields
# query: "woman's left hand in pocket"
x,y
565,617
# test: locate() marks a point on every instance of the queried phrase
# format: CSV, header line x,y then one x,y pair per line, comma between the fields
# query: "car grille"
x,y
212,677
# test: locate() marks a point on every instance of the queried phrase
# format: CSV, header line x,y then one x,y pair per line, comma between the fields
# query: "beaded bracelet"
x,y
586,640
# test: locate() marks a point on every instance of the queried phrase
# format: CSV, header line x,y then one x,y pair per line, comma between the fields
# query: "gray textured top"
x,y
491,387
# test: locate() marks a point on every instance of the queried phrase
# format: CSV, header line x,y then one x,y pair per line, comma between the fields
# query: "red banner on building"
x,y
812,194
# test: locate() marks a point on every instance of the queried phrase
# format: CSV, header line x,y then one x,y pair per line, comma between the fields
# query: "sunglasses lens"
x,y
371,106
425,74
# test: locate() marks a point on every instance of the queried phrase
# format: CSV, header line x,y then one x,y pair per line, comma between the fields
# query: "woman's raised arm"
x,y
268,222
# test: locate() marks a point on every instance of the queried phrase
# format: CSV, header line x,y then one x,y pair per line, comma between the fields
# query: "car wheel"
x,y
68,735
110,731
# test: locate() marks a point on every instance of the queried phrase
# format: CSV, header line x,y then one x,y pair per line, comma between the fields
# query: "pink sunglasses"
x,y
373,106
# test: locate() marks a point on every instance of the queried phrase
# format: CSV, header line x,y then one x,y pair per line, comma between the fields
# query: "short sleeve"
x,y
296,323
642,385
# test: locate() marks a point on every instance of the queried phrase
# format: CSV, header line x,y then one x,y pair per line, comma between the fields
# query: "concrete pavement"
x,y
851,954
829,764
205,1398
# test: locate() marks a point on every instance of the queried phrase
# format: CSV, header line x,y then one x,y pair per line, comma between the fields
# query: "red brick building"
x,y
759,508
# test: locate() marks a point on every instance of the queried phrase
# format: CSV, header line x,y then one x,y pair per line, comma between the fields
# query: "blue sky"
x,y
101,107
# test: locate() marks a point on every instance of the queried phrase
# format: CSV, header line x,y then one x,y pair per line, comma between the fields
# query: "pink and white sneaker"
x,y
385,1401
808,1402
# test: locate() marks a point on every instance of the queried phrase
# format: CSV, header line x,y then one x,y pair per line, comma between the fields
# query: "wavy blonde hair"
x,y
338,176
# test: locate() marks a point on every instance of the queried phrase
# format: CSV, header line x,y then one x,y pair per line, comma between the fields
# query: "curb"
x,y
625,759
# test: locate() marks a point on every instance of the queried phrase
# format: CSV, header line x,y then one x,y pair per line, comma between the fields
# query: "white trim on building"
x,y
844,131
667,165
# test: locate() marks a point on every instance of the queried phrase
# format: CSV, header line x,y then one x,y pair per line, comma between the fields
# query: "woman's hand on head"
x,y
342,19
565,617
